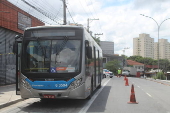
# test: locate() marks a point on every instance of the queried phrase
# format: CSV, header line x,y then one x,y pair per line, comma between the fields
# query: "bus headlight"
x,y
76,83
25,84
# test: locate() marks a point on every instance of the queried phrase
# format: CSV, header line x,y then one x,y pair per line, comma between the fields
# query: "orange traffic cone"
x,y
132,96
126,82
125,77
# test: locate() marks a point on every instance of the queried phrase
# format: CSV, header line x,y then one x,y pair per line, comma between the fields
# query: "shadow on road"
x,y
100,102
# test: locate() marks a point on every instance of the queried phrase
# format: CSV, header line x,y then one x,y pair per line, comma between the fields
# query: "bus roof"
x,y
54,26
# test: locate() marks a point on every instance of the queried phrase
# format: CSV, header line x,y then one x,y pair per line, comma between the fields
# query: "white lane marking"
x,y
148,94
88,104
145,92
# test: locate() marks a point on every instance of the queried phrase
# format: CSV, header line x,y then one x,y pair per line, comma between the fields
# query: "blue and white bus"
x,y
57,62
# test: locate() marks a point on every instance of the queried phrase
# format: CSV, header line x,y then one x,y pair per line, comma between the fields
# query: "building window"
x,y
104,60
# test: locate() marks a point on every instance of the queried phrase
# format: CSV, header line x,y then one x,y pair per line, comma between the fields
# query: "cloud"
x,y
119,20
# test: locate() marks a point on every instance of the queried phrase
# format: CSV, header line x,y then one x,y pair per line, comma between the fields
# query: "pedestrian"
x,y
119,72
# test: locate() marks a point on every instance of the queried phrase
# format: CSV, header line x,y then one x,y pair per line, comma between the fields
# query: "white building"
x,y
164,49
143,46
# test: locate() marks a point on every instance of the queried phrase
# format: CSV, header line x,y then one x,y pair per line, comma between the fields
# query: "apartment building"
x,y
164,49
107,47
143,46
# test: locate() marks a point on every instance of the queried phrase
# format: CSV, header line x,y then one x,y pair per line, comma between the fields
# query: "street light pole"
x,y
159,25
88,27
64,12
124,54
97,34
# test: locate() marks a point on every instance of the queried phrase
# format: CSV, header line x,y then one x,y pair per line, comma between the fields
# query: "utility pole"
x,y
97,34
124,55
88,23
64,12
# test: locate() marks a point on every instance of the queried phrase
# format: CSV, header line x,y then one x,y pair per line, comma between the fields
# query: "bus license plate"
x,y
48,96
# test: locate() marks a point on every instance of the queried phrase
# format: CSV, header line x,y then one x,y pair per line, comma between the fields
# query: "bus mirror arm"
x,y
15,43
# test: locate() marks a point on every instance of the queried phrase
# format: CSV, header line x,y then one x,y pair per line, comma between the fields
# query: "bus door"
x,y
94,66
16,51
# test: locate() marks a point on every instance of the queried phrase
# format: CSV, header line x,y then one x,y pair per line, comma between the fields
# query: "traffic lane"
x,y
54,105
158,92
119,96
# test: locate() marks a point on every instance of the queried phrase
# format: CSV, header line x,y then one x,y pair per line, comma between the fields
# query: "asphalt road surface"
x,y
112,97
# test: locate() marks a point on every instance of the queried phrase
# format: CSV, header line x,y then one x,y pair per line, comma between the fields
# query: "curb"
x,y
10,103
159,81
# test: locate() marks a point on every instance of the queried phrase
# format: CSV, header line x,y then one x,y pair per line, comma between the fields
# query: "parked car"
x,y
125,72
111,74
107,73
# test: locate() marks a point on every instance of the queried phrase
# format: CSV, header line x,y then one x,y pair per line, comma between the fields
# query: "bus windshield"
x,y
51,56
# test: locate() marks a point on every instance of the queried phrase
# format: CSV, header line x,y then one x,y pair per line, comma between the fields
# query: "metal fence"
x,y
7,58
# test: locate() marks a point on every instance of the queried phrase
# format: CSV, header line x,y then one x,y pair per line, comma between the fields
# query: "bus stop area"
x,y
8,95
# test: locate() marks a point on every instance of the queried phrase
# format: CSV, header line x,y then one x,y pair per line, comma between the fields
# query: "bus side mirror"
x,y
88,49
15,44
89,52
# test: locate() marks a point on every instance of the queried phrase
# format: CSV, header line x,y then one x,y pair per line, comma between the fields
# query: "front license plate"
x,y
48,96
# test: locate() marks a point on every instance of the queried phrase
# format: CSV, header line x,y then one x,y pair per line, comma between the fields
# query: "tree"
x,y
97,40
113,65
163,64
136,58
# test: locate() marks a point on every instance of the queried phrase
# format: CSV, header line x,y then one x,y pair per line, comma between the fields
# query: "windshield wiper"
x,y
61,46
42,48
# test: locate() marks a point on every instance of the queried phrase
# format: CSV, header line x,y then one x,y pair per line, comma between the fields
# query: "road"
x,y
113,97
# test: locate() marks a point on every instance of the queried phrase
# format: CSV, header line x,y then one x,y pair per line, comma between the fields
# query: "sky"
x,y
119,20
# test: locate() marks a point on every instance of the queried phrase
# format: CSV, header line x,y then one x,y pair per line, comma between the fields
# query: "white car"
x,y
111,74
105,73
125,72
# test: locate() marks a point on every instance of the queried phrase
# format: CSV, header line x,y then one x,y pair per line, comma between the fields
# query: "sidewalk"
x,y
8,96
165,82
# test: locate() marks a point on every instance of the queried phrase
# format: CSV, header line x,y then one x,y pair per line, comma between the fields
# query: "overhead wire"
x,y
91,12
89,9
12,21
70,15
38,15
55,16
97,16
40,10
19,5
84,9
45,8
